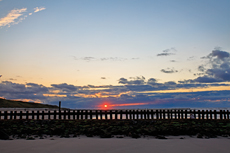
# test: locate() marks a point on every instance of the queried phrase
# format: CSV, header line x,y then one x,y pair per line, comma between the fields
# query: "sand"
x,y
115,145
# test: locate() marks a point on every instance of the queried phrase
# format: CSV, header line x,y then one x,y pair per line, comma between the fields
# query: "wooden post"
x,y
171,114
160,114
121,114
224,113
115,114
27,115
199,115
157,115
96,115
163,114
43,115
106,117
74,115
207,114
215,115
111,114
203,114
179,114
126,114
0,115
186,114
152,114
5,115
135,114
221,115
32,115
49,115
130,114
11,115
78,114
59,106
20,114
101,114
68,114
168,115
228,114
210,112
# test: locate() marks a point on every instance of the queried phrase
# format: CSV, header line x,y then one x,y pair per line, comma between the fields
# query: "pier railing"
x,y
162,114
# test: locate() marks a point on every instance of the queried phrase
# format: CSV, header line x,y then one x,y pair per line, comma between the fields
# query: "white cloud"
x,y
11,17
30,13
37,9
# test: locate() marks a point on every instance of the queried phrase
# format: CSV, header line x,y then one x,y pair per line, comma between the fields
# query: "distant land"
x,y
4,103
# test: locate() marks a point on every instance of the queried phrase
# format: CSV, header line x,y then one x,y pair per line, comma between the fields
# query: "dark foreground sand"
x,y
116,145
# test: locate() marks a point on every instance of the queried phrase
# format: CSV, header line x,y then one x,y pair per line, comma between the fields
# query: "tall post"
x,y
59,111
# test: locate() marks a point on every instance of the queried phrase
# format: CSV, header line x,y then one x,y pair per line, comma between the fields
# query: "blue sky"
x,y
149,53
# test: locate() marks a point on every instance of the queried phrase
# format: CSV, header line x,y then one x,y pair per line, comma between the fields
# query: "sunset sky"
x,y
122,53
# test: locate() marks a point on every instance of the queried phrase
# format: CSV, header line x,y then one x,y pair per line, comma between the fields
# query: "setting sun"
x,y
105,106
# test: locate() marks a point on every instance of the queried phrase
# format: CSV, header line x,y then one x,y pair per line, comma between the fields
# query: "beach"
x,y
84,144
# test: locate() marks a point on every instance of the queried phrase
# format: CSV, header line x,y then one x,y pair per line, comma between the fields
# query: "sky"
x,y
122,53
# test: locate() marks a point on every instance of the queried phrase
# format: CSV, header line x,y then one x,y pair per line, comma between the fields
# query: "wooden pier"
x,y
152,114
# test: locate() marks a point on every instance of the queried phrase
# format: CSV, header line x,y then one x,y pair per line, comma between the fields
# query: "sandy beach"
x,y
114,145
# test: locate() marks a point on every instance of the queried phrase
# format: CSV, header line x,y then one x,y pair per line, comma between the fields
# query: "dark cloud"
x,y
134,81
206,79
103,78
167,52
65,87
169,70
219,54
217,69
172,60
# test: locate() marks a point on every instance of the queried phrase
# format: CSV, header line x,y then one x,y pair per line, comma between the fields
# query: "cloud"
x,y
167,52
169,70
103,78
134,81
217,69
219,54
65,87
37,9
113,59
13,17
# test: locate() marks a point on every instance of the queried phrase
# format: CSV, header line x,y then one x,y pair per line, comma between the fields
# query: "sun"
x,y
105,106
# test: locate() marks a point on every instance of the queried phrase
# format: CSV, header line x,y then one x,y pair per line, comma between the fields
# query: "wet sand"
x,y
115,145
